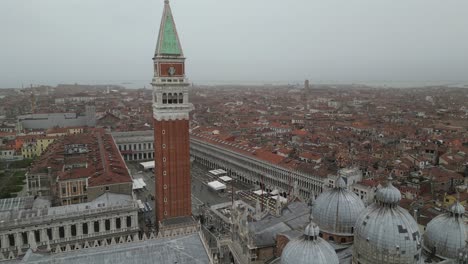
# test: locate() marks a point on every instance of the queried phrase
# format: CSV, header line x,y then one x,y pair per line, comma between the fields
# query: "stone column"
x,y
123,222
67,231
134,221
112,224
18,240
102,226
32,235
79,229
5,242
43,235
90,227
55,233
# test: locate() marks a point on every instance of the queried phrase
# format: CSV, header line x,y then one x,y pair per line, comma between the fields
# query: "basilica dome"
x,y
446,234
336,210
309,248
385,233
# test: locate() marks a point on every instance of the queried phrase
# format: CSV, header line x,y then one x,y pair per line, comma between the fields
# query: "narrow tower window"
x,y
169,98
181,98
164,98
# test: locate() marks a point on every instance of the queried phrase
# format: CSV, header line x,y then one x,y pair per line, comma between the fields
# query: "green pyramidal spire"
x,y
168,40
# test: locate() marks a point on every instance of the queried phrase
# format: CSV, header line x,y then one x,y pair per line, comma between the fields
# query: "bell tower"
x,y
171,110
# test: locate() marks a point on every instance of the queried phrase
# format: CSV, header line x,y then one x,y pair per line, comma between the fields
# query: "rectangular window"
x,y
73,230
118,225
107,224
49,233
61,232
11,239
129,221
24,235
37,235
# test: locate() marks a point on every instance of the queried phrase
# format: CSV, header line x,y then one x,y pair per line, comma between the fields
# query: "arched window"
x,y
164,98
181,98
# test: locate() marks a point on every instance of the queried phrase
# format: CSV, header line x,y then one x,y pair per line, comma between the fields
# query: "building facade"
x,y
135,145
171,110
32,223
50,120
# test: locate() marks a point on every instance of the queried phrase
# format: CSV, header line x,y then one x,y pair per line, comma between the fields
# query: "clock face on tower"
x,y
171,71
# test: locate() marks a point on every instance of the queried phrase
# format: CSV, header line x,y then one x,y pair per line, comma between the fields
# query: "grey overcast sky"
x,y
99,41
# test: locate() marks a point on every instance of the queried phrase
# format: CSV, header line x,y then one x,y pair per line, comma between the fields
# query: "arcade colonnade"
x,y
254,171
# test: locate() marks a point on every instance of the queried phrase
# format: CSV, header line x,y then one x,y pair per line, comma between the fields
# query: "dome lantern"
x,y
389,195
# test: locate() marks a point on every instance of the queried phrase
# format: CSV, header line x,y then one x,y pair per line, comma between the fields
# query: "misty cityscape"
x,y
244,132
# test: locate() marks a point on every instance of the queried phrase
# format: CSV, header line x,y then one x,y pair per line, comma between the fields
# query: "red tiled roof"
x,y
299,132
268,156
101,162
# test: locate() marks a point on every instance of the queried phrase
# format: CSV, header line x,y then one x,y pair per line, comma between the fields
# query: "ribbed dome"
x,y
337,209
446,234
309,249
385,233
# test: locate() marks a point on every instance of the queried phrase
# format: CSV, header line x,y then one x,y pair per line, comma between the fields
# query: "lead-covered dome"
x,y
445,235
309,249
336,210
385,233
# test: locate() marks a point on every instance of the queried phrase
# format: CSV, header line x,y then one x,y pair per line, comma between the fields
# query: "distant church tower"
x,y
171,110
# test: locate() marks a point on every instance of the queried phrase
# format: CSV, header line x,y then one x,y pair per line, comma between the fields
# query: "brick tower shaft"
x,y
171,110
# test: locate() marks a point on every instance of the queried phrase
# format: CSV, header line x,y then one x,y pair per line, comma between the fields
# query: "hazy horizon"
x,y
265,41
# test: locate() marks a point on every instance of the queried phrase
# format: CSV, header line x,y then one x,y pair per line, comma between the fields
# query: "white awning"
x,y
260,192
147,165
216,185
225,178
282,199
217,172
138,184
274,192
